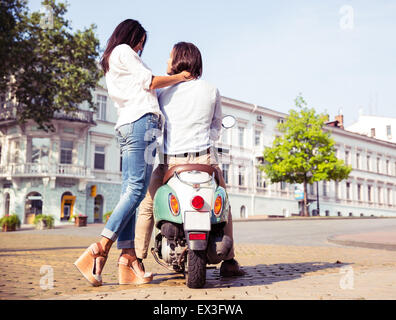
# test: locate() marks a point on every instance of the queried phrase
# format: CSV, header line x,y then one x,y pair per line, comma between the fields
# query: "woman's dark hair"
x,y
129,32
186,57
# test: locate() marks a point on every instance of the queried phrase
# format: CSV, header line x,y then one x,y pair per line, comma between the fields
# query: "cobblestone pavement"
x,y
273,272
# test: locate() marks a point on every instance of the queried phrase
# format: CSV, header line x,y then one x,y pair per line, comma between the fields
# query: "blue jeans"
x,y
137,142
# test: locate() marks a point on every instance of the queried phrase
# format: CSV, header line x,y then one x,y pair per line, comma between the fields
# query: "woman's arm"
x,y
166,81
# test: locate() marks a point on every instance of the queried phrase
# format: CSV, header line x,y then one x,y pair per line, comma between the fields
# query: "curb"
x,y
307,218
370,245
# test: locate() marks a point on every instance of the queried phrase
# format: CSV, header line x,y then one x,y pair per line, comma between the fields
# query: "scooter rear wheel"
x,y
196,275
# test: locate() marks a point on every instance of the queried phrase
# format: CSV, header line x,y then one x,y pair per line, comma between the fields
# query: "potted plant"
x,y
80,220
42,221
10,222
107,215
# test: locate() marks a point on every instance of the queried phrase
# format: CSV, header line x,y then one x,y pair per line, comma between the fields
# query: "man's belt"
x,y
186,154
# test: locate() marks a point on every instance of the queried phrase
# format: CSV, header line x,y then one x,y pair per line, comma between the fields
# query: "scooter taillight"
x,y
218,205
174,204
197,236
197,202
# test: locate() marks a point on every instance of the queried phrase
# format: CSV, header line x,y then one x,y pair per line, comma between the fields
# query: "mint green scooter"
x,y
190,212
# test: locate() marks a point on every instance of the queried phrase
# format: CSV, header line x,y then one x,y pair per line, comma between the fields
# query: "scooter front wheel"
x,y
196,264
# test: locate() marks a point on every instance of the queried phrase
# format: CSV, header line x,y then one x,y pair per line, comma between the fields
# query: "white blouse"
x,y
128,83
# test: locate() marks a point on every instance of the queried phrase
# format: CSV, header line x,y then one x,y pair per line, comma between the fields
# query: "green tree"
x,y
12,13
56,68
304,153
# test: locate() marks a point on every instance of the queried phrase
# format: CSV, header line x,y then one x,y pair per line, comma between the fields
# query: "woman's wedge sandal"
x,y
126,273
86,263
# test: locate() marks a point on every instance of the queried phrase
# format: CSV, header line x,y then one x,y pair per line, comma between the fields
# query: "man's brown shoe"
x,y
231,268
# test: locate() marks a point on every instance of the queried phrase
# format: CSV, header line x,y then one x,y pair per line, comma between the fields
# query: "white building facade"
x,y
72,171
77,168
370,189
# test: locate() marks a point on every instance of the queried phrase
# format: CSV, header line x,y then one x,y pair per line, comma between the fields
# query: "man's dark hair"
x,y
186,57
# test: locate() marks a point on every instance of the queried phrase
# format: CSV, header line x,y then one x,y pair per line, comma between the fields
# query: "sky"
x,y
340,55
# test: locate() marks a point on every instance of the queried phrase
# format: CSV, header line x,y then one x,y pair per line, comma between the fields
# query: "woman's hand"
x,y
186,76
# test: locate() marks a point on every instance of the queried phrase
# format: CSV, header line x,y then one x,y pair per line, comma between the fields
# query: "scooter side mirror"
x,y
228,121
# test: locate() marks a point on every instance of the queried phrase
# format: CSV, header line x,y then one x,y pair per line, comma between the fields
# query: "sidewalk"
x,y
385,240
39,265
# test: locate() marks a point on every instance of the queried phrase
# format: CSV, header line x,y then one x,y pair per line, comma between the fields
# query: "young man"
x,y
193,119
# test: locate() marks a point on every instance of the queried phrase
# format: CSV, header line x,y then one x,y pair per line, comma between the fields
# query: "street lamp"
x,y
317,198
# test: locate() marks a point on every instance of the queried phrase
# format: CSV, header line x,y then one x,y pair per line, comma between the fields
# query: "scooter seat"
x,y
191,167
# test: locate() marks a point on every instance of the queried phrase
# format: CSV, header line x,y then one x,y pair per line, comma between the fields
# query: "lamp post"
x,y
317,198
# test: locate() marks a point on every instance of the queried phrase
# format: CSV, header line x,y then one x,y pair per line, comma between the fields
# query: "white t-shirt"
x,y
193,116
128,82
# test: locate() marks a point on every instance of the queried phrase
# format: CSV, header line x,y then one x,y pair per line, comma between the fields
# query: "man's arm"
x,y
215,127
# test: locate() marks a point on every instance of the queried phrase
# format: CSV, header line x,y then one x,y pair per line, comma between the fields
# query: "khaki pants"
x,y
145,220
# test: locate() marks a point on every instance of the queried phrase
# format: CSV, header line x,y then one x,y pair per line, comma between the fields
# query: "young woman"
x,y
131,86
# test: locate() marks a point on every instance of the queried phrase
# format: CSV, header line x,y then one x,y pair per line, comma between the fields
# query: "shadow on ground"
x,y
263,274
258,275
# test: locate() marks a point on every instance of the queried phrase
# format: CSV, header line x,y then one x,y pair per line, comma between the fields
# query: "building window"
x,y
379,195
325,188
40,150
372,132
241,176
311,189
359,192
101,107
259,175
369,193
347,157
241,136
7,204
99,161
66,152
226,168
389,131
368,163
337,190
357,160
348,190
283,185
243,212
378,165
257,138
388,197
387,167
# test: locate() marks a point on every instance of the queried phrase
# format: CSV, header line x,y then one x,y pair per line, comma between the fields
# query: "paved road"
x,y
307,232
285,232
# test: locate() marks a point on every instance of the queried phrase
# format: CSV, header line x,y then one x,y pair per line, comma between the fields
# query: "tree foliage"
x,y
304,153
54,68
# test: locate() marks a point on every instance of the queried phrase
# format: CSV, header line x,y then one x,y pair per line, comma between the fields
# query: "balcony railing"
x,y
44,170
8,111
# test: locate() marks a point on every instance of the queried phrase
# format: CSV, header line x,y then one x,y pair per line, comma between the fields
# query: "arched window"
x,y
98,209
67,205
33,206
243,212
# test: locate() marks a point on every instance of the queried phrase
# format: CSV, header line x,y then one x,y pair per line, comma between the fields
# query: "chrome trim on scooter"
x,y
212,179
